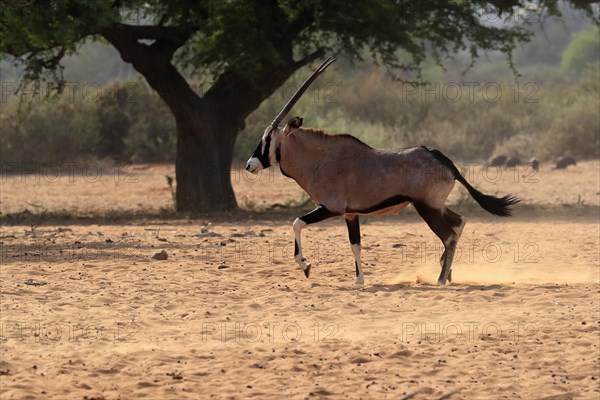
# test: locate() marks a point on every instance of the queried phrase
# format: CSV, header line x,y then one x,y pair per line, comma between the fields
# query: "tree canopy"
x,y
214,35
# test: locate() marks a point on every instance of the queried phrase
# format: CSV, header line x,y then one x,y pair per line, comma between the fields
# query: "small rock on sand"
x,y
32,282
161,256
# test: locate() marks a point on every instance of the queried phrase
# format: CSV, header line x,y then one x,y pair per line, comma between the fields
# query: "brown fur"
x,y
326,136
343,173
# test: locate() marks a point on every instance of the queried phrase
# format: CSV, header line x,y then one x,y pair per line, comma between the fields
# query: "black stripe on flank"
x,y
392,201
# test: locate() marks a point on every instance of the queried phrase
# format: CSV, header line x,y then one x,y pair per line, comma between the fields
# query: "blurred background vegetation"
x,y
108,111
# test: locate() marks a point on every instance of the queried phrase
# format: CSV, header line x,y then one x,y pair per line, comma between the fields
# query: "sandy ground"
x,y
86,313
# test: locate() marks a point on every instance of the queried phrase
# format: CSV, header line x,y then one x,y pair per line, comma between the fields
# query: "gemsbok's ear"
x,y
295,122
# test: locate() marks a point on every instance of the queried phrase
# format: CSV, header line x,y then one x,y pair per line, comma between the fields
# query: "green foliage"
x,y
576,130
243,35
583,50
40,33
136,125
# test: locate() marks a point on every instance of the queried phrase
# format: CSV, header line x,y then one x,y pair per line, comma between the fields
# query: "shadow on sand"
x,y
427,287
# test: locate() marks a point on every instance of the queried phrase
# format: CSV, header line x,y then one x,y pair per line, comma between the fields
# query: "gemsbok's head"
x,y
267,151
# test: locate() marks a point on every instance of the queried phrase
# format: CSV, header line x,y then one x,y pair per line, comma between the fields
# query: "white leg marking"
x,y
298,225
360,279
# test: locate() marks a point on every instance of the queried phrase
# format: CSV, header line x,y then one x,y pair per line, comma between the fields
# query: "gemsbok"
x,y
345,176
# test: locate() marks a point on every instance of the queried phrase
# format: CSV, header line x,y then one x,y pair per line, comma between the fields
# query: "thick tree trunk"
x,y
204,155
205,138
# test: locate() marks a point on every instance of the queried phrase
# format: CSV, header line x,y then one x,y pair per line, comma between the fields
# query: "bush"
x,y
151,134
60,133
565,122
129,122
583,50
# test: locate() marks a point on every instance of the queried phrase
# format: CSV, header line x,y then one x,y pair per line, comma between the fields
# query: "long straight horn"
x,y
300,91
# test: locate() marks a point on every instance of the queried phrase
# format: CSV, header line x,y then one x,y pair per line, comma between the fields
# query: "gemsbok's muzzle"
x,y
253,165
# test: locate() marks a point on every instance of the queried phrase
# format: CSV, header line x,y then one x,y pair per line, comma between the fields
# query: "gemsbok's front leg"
x,y
354,236
318,214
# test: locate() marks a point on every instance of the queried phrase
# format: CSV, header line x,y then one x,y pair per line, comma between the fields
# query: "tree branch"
x,y
154,61
238,94
308,59
168,39
177,35
49,63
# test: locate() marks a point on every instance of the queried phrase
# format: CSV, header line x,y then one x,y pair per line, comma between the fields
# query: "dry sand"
x,y
230,315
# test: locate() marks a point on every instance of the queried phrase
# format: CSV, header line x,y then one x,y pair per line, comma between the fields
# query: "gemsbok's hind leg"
x,y
448,226
354,236
318,214
458,223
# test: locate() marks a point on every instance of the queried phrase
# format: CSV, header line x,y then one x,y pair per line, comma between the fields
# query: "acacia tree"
x,y
247,49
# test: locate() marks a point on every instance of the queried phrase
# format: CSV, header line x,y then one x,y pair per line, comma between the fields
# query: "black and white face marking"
x,y
262,155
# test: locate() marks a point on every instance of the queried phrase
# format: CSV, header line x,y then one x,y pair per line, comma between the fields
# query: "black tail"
x,y
494,205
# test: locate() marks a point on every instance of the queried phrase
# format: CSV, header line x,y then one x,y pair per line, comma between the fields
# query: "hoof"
x,y
359,281
307,270
441,282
